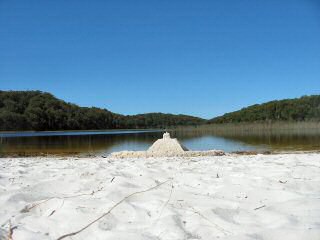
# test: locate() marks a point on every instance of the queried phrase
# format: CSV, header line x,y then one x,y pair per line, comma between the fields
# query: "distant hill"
x,y
306,108
40,111
154,120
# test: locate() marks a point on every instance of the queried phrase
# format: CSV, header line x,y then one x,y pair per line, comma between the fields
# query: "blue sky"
x,y
202,58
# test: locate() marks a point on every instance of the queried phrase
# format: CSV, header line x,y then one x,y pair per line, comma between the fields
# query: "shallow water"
x,y
105,142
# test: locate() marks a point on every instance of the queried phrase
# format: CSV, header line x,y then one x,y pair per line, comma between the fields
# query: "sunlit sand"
x,y
222,197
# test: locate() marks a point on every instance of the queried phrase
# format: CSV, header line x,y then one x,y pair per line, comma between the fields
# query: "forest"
x,y
306,108
41,111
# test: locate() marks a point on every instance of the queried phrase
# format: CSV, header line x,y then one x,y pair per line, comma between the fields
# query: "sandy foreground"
x,y
223,197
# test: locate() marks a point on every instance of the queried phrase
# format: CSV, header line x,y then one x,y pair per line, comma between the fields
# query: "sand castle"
x,y
166,147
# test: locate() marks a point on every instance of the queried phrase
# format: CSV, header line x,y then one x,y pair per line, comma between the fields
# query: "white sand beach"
x,y
222,197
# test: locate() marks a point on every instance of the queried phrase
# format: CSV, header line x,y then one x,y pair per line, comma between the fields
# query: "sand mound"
x,y
166,147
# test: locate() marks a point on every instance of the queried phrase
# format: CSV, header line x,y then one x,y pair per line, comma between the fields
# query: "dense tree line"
x,y
306,108
35,110
154,120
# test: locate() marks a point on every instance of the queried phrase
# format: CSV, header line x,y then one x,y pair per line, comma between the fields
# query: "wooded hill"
x,y
41,111
306,108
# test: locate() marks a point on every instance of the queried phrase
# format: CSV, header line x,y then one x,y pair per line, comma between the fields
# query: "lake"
x,y
105,142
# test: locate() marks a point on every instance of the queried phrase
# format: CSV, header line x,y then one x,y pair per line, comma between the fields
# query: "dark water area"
x,y
105,142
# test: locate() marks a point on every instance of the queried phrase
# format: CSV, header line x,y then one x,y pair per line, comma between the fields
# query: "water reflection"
x,y
102,144
77,144
274,141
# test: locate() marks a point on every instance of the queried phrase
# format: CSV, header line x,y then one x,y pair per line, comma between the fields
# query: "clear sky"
x,y
202,58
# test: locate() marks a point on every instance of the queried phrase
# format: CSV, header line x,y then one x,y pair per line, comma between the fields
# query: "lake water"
x,y
105,142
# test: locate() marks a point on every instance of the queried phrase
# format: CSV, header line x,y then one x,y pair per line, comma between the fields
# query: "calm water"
x,y
104,142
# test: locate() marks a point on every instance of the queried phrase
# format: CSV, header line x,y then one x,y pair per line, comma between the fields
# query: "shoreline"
x,y
97,155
